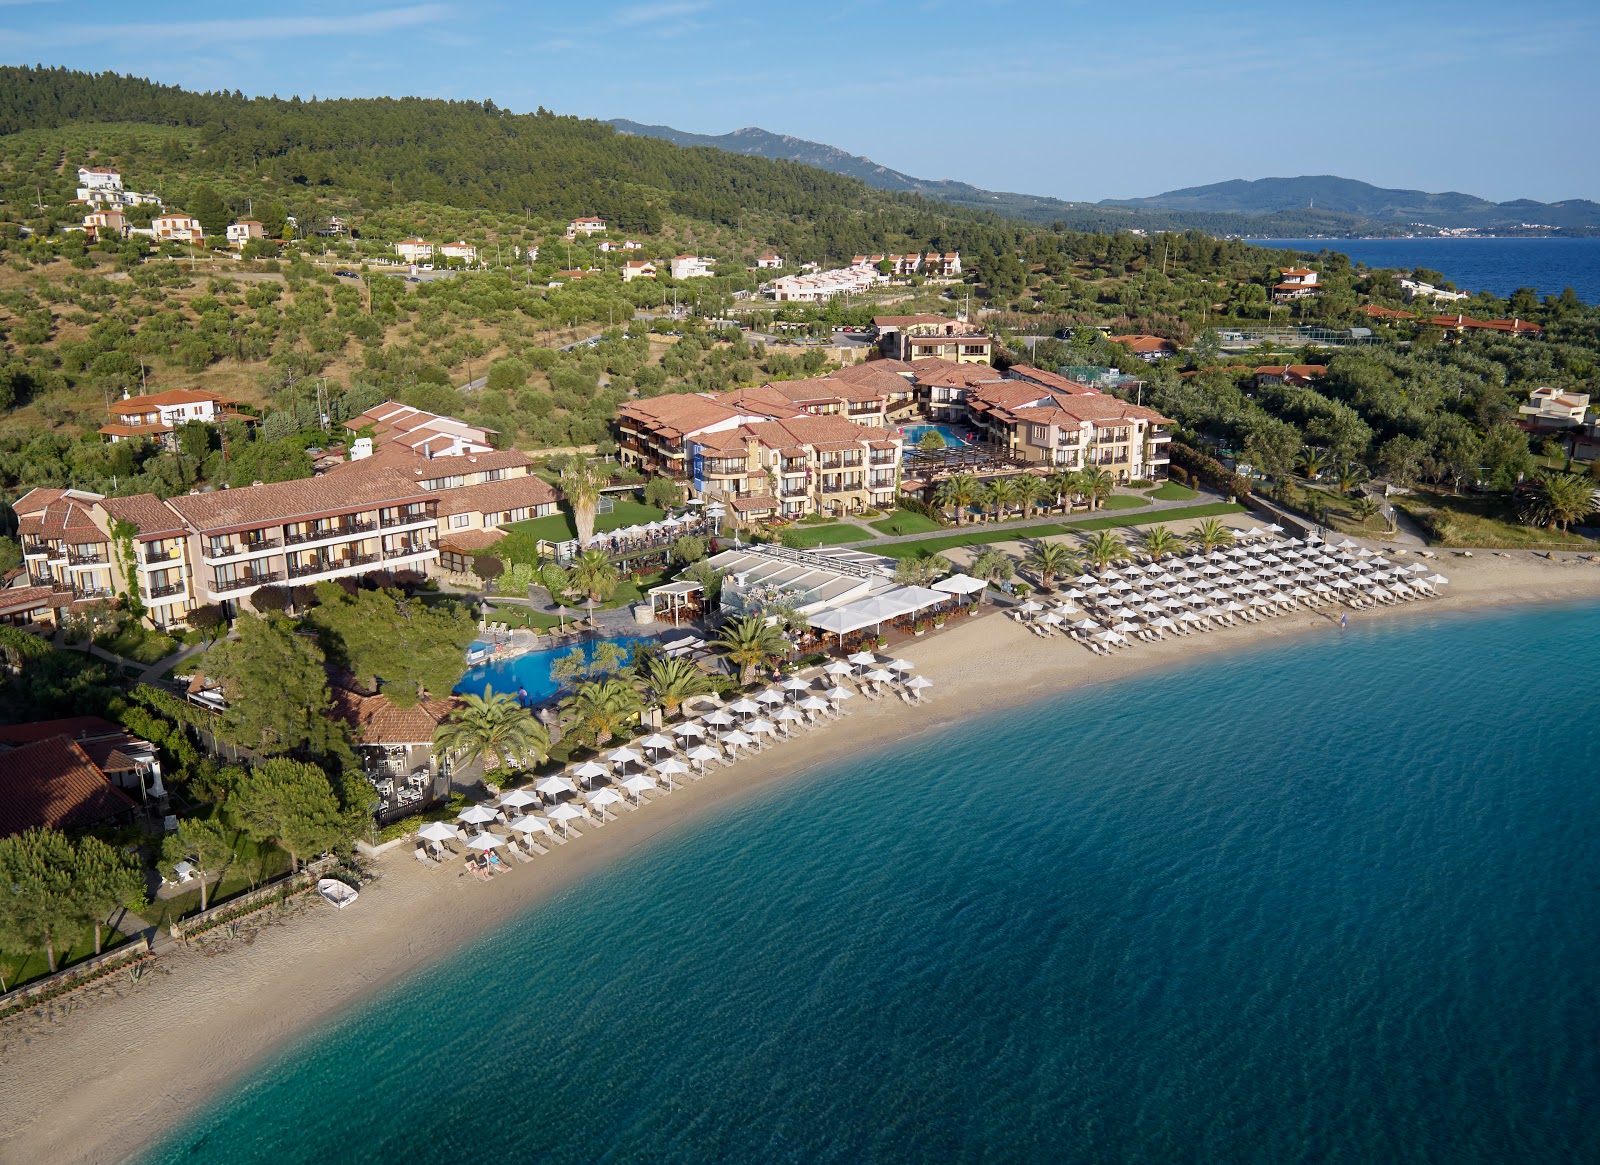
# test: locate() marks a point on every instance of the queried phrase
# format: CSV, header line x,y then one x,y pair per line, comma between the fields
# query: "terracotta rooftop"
x,y
491,497
173,396
290,501
1141,343
377,721
52,784
394,455
153,517
19,600
1048,379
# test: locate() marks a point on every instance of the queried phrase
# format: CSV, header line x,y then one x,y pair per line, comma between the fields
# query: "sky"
x,y
1070,98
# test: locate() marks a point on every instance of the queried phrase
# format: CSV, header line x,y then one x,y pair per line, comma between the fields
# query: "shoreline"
x,y
129,1062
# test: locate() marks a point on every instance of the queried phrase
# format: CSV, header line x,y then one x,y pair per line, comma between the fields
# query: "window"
x,y
459,521
1038,434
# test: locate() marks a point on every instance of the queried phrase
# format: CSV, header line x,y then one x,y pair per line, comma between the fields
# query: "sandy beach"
x,y
99,1080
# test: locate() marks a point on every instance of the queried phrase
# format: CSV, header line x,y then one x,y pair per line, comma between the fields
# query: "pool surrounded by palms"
x,y
530,670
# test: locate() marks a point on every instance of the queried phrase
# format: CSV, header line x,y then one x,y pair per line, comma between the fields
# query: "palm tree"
x,y
1364,508
669,682
1029,490
1350,476
581,483
1062,483
1098,485
1556,500
594,575
1312,463
749,642
1160,542
604,708
993,566
1002,495
1103,548
958,493
491,728
1049,560
1211,534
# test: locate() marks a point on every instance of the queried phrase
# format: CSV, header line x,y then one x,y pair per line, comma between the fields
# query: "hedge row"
x,y
1203,468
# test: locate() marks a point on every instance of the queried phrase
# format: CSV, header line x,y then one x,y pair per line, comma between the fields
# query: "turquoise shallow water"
x,y
1332,901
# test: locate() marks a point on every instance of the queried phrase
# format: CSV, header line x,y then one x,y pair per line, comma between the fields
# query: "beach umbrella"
x,y
1075,593
1164,624
839,668
1258,601
551,786
770,696
1437,580
1232,606
796,684
744,707
718,717
1364,553
1124,627
761,726
486,841
960,584
900,665
787,716
673,766
476,815
735,738
563,813
1151,609
835,693
588,771
1086,625
517,798
622,756
701,753
918,683
688,728
1300,593
528,823
655,741
816,703
1086,580
1122,584
883,675
864,658
600,798
637,784
437,831
1049,619
1190,617
1110,637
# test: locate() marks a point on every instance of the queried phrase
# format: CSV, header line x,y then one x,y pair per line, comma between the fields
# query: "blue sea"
x,y
1495,265
1336,900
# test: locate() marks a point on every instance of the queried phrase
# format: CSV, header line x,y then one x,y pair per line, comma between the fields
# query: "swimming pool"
x,y
531,671
951,435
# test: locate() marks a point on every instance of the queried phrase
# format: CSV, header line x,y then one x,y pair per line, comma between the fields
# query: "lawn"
x,y
905,522
833,534
24,966
253,866
1481,520
558,527
518,616
140,644
1209,510
1044,530
1123,502
1173,492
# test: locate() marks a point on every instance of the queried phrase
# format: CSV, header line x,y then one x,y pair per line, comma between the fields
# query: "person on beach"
x,y
1344,621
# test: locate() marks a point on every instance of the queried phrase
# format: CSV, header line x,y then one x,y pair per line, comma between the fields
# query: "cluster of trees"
x,y
1063,489
58,887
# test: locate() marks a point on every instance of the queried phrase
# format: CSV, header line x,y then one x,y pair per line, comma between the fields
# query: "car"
x,y
412,279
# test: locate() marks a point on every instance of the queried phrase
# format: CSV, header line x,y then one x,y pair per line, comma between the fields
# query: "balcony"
x,y
91,592
882,481
792,465
34,549
390,521
217,551
152,556
162,592
311,568
93,558
408,550
792,491
246,582
882,459
346,530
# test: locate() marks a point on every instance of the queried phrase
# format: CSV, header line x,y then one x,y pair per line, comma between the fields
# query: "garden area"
x,y
558,527
1481,520
903,522
983,536
828,534
1171,491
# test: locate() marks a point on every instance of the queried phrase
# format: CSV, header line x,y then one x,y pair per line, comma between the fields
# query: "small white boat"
x,y
336,892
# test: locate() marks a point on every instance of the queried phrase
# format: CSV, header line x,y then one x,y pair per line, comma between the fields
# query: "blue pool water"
x,y
531,671
1330,901
951,435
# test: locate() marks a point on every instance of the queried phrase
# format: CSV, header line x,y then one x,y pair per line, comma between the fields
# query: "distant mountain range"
x,y
1266,207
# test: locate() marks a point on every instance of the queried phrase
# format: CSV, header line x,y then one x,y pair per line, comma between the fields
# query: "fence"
x,y
75,977
252,901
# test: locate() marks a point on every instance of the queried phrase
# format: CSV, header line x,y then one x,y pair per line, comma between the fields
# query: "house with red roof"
x,y
1295,283
1150,349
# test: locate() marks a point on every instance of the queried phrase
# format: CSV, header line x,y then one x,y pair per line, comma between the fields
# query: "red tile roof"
x,y
153,517
52,784
1379,312
1048,379
377,721
288,501
492,497
1141,343
20,600
173,396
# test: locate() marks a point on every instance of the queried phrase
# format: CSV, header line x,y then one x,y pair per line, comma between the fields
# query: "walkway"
x,y
155,671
